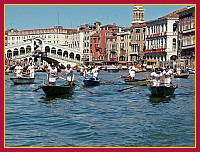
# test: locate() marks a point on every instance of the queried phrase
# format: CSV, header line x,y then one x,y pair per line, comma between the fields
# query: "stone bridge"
x,y
38,51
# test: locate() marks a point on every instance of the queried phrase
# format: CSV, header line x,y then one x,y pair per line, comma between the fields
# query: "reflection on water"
x,y
157,100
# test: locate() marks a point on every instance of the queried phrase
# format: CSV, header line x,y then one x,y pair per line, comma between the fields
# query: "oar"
x,y
77,85
187,87
132,87
37,88
110,81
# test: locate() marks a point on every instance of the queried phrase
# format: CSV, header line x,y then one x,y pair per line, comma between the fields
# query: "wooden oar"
x,y
77,85
187,87
110,81
132,87
37,88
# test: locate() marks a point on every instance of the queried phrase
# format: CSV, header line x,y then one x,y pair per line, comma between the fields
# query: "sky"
x,y
27,17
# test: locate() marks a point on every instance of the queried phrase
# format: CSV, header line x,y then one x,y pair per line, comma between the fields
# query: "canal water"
x,y
107,118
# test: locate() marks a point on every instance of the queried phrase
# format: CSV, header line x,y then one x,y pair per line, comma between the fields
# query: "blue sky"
x,y
25,17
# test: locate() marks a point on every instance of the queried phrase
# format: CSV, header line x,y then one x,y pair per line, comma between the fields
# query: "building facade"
x,y
187,36
162,37
138,31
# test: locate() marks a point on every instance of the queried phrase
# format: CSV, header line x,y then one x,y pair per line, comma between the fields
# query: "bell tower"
x,y
138,14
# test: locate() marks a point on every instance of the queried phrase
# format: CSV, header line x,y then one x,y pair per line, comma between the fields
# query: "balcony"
x,y
159,50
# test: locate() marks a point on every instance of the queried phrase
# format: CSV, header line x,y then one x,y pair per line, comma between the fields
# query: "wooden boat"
x,y
51,91
127,80
90,82
23,80
162,91
113,70
182,75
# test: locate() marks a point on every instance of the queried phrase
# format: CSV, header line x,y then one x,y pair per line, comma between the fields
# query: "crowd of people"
x,y
157,78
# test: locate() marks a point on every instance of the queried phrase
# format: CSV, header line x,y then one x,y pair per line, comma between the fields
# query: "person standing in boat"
x,y
86,72
18,70
52,74
155,77
132,72
167,75
70,74
31,70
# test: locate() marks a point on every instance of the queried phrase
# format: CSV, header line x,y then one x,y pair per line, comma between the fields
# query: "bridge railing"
x,y
22,56
63,58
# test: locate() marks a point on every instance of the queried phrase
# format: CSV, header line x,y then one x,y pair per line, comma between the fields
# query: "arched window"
x,y
174,27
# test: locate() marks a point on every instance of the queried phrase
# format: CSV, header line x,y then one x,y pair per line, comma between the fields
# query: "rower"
x,y
18,70
31,70
167,75
155,77
132,72
70,74
52,74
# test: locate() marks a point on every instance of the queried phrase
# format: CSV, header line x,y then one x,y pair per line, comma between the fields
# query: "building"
x,y
187,36
57,35
162,37
123,44
138,31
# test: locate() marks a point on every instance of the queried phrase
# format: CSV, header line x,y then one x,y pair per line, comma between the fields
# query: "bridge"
x,y
39,51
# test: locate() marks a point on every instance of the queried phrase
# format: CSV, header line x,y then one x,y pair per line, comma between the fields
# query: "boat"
x,y
182,75
113,69
162,91
52,91
128,80
23,80
91,82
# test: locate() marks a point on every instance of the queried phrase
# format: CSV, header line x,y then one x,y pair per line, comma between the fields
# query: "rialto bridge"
x,y
38,51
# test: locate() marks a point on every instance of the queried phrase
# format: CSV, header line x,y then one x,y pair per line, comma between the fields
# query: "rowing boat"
x,y
90,82
128,80
51,91
23,80
162,91
183,75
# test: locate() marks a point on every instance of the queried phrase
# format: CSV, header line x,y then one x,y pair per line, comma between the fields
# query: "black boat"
x,y
51,91
128,80
182,75
23,80
162,91
91,82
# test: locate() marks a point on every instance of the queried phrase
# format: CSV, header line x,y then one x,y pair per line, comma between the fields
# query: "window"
x,y
174,44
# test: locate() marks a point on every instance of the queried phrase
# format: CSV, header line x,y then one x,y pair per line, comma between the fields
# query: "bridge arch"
x,y
65,54
22,51
71,55
9,54
59,52
47,49
15,52
53,50
28,49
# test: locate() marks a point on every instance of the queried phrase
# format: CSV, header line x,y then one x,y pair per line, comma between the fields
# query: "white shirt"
x,y
32,71
18,69
70,74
